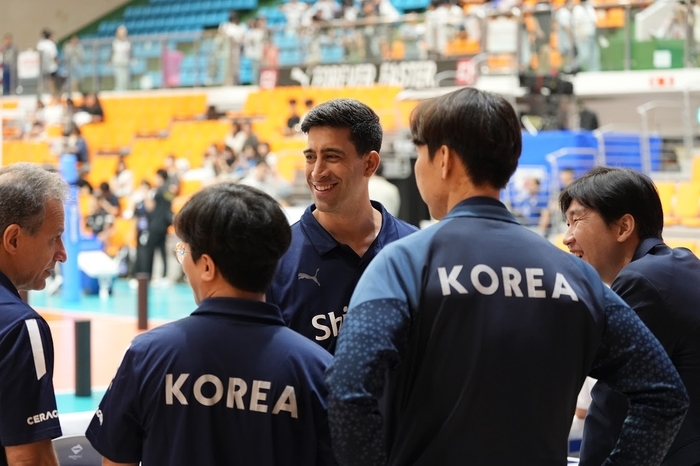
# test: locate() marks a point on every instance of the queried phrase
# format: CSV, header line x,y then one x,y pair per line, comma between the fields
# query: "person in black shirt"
x,y
293,120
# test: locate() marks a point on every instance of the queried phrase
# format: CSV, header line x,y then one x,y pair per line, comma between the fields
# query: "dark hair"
x,y
104,187
162,173
365,128
292,102
25,188
481,128
244,230
46,33
614,192
308,102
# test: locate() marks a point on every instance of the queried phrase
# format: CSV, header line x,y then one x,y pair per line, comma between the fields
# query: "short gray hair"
x,y
25,188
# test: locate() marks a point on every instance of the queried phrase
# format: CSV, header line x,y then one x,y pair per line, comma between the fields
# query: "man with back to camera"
x,y
230,384
615,222
468,342
32,222
342,231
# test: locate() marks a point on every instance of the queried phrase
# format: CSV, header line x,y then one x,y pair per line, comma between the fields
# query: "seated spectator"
x,y
244,162
236,138
99,222
293,120
122,183
90,112
108,200
264,178
76,144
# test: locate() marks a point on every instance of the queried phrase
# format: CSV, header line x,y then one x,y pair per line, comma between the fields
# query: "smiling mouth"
x,y
323,187
578,254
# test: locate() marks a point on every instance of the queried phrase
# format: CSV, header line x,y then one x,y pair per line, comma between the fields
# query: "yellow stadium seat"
x,y
687,207
682,243
189,187
667,191
695,170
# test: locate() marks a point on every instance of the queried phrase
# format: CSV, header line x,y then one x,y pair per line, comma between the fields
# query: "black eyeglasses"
x,y
180,252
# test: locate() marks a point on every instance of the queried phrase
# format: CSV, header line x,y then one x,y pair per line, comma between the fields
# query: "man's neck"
x,y
357,230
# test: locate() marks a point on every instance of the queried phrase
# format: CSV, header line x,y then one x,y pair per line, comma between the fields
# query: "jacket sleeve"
x,y
373,338
632,361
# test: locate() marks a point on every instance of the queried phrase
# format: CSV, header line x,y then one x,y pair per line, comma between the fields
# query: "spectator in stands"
x,y
231,35
236,138
122,183
121,58
99,221
90,112
245,161
264,153
309,105
9,54
73,54
251,138
577,24
370,32
531,207
293,120
263,177
253,45
108,201
441,23
323,10
77,145
48,53
412,34
295,12
384,192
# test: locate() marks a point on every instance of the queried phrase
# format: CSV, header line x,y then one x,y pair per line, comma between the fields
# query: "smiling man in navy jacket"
x,y
615,221
468,342
342,231
230,384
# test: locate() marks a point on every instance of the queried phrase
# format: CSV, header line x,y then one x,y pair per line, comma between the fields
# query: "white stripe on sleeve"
x,y
37,347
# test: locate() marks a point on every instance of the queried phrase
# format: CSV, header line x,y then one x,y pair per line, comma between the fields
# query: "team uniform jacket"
x,y
27,401
663,286
317,276
230,384
468,343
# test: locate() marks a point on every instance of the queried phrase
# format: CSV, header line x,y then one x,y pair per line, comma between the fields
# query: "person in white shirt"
x,y
121,53
577,35
233,34
294,11
48,53
253,45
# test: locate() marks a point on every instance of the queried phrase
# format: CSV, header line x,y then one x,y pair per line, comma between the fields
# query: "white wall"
x,y
25,19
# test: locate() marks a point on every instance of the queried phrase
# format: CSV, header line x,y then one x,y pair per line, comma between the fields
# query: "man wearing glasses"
x,y
229,382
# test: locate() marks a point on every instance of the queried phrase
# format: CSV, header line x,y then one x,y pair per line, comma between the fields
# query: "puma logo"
x,y
306,276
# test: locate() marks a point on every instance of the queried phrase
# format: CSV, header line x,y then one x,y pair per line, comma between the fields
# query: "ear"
x,y
444,158
626,228
207,269
371,163
11,238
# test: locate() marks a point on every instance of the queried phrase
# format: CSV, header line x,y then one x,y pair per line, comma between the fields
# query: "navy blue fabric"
x,y
317,276
468,342
216,388
663,286
27,401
